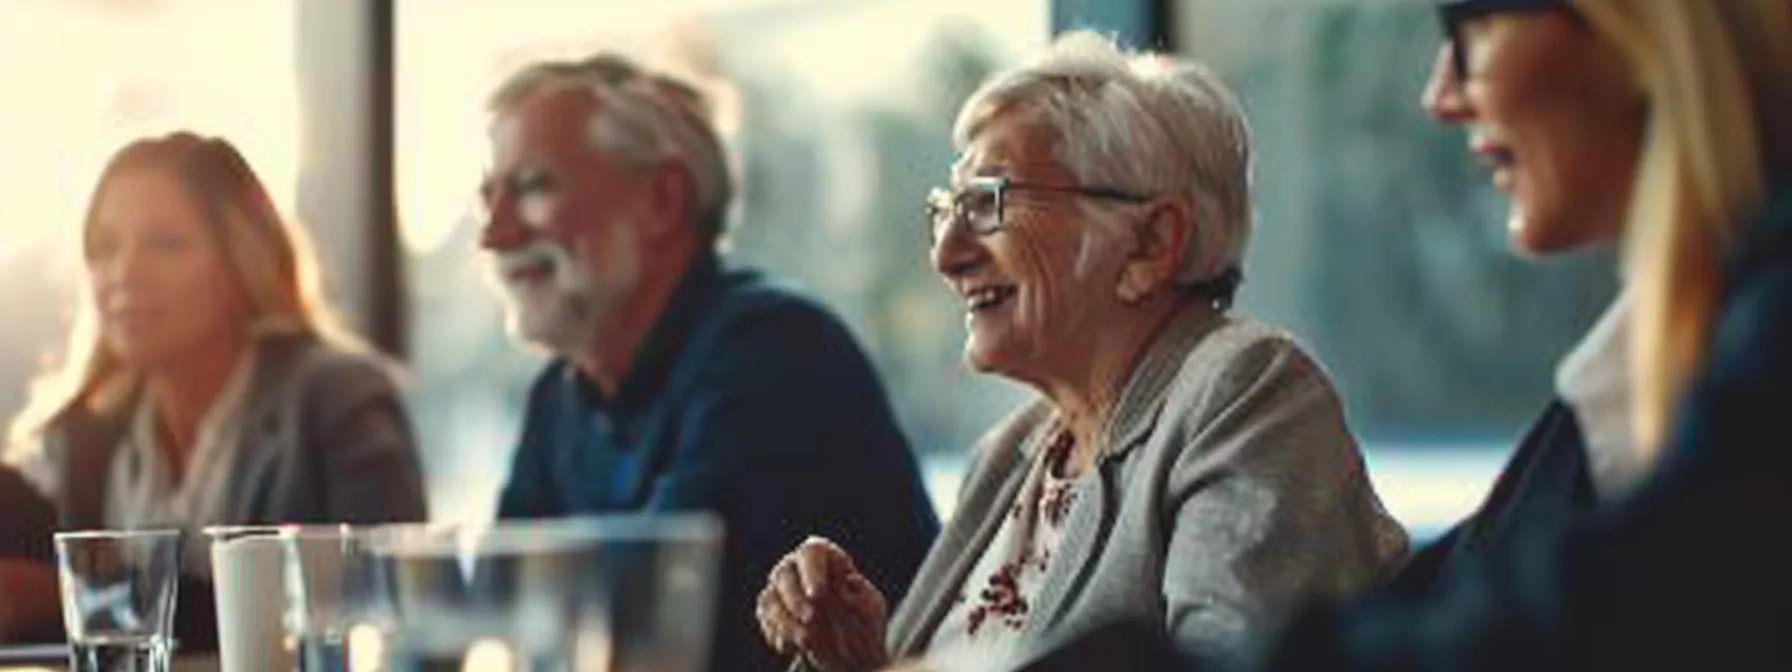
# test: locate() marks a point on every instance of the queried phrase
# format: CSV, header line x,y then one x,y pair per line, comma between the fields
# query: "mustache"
x,y
503,265
538,253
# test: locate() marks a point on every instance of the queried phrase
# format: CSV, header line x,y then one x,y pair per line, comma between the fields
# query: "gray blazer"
x,y
1229,491
326,439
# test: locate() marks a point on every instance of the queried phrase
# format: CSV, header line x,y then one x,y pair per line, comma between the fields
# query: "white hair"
x,y
643,118
1143,123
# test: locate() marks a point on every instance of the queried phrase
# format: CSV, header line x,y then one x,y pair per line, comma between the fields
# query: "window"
x,y
1380,243
82,79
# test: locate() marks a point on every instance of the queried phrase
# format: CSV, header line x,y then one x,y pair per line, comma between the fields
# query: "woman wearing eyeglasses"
x,y
1182,464
1555,113
1664,126
1652,125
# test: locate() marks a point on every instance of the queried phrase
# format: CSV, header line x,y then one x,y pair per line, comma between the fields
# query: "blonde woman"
x,y
1651,125
1660,125
204,382
1641,527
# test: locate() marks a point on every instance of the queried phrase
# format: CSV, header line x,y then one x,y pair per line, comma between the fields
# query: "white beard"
x,y
567,313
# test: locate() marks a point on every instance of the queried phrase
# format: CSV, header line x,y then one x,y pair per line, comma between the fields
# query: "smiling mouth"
x,y
529,273
987,299
1498,158
1492,155
1500,162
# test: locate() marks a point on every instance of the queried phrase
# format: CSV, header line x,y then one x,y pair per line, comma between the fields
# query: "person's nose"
x,y
956,251
121,268
502,229
1444,97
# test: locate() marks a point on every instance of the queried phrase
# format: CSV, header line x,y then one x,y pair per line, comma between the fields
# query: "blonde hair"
x,y
271,261
1717,75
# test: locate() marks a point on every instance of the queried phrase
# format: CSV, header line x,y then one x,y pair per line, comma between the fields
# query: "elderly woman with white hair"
x,y
1183,463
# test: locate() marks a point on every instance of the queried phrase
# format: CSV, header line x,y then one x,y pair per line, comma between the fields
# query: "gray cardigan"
x,y
1229,491
326,439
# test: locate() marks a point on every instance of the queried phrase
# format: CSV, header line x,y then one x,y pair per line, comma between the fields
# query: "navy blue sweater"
x,y
748,401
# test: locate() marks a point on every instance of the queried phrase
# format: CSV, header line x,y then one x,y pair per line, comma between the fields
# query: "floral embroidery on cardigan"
x,y
1036,513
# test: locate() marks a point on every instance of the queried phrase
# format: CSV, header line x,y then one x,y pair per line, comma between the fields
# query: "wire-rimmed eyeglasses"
x,y
979,202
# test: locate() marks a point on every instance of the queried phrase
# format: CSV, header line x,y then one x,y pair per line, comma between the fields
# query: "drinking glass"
x,y
334,591
118,595
599,593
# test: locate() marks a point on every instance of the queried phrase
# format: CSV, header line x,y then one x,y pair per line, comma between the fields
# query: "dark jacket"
x,y
1544,488
748,401
1691,571
326,439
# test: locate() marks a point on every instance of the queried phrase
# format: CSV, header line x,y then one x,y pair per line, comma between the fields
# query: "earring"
x,y
1135,298
1138,286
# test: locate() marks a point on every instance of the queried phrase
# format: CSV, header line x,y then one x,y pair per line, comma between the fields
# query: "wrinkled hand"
x,y
817,605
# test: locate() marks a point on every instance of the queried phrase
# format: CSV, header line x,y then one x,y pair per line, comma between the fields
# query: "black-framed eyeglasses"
x,y
1455,14
978,204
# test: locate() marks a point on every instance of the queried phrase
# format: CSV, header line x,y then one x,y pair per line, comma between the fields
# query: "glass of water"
x,y
118,595
599,593
332,589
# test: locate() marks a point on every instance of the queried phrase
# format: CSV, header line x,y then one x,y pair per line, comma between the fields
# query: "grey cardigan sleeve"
x,y
357,427
1270,503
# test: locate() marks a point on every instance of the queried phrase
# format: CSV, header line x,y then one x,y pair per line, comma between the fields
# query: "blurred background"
x,y
1378,241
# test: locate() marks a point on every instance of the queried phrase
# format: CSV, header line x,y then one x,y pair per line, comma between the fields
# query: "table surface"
x,y
54,658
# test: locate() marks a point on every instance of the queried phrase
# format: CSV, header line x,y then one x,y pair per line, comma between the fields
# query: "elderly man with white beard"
x,y
677,383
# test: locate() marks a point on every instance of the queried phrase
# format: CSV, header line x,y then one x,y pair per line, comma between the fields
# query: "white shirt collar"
x,y
141,492
1594,380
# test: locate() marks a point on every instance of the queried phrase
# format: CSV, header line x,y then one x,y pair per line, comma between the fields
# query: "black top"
x,y
1545,486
